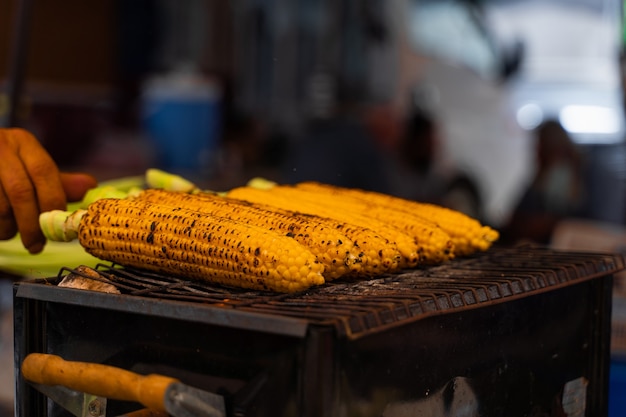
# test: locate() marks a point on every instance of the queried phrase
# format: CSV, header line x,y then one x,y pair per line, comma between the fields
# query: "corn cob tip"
x,y
134,192
156,178
261,183
103,191
60,225
212,192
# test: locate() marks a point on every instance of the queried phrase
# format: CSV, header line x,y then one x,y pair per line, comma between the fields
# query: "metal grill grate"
x,y
361,306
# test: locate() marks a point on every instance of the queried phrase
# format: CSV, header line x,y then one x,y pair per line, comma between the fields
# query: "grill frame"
x,y
369,305
310,326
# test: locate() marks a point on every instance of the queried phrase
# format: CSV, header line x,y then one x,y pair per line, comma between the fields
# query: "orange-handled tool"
x,y
156,392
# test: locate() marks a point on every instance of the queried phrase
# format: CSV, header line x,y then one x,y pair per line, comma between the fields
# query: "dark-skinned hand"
x,y
31,183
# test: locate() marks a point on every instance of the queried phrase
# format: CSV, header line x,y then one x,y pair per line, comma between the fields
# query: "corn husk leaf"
x,y
16,260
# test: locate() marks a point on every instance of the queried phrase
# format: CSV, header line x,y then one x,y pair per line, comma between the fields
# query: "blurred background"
x,y
437,100
509,110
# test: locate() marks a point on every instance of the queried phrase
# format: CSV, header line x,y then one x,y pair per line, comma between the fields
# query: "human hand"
x,y
30,183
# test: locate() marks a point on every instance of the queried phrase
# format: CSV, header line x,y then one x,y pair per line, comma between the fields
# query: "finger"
x,y
42,172
8,227
76,185
30,181
18,194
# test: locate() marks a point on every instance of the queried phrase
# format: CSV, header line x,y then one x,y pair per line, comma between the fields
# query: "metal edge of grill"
x,y
356,307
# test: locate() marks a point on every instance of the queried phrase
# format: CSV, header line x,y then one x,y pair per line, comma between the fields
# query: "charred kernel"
x,y
357,231
427,239
308,230
467,234
186,254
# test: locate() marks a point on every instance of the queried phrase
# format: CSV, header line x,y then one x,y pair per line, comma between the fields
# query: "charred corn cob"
x,y
191,244
468,235
435,245
393,238
428,240
333,249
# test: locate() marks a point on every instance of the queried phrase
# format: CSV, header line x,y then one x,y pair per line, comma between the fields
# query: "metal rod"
x,y
17,62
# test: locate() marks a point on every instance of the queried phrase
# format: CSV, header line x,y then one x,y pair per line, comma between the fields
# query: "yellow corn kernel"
x,y
333,249
468,234
291,200
435,245
186,243
378,254
432,244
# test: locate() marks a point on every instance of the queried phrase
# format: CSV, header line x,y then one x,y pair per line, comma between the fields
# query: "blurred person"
x,y
557,191
31,183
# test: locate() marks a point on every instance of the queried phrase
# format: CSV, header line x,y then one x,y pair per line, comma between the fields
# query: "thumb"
x,y
76,185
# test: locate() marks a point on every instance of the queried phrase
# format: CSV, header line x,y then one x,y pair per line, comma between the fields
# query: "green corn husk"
x,y
16,260
156,178
62,250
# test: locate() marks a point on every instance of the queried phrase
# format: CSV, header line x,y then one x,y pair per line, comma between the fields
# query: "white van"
x,y
572,73
462,77
571,70
400,54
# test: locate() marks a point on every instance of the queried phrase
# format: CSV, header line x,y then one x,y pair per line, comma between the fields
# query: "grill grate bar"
x,y
357,306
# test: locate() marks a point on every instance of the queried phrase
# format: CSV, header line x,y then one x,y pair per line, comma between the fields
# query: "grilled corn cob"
x,y
431,243
191,244
393,238
435,245
468,235
333,249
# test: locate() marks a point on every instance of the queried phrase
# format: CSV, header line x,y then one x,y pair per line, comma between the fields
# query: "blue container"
x,y
181,116
617,389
